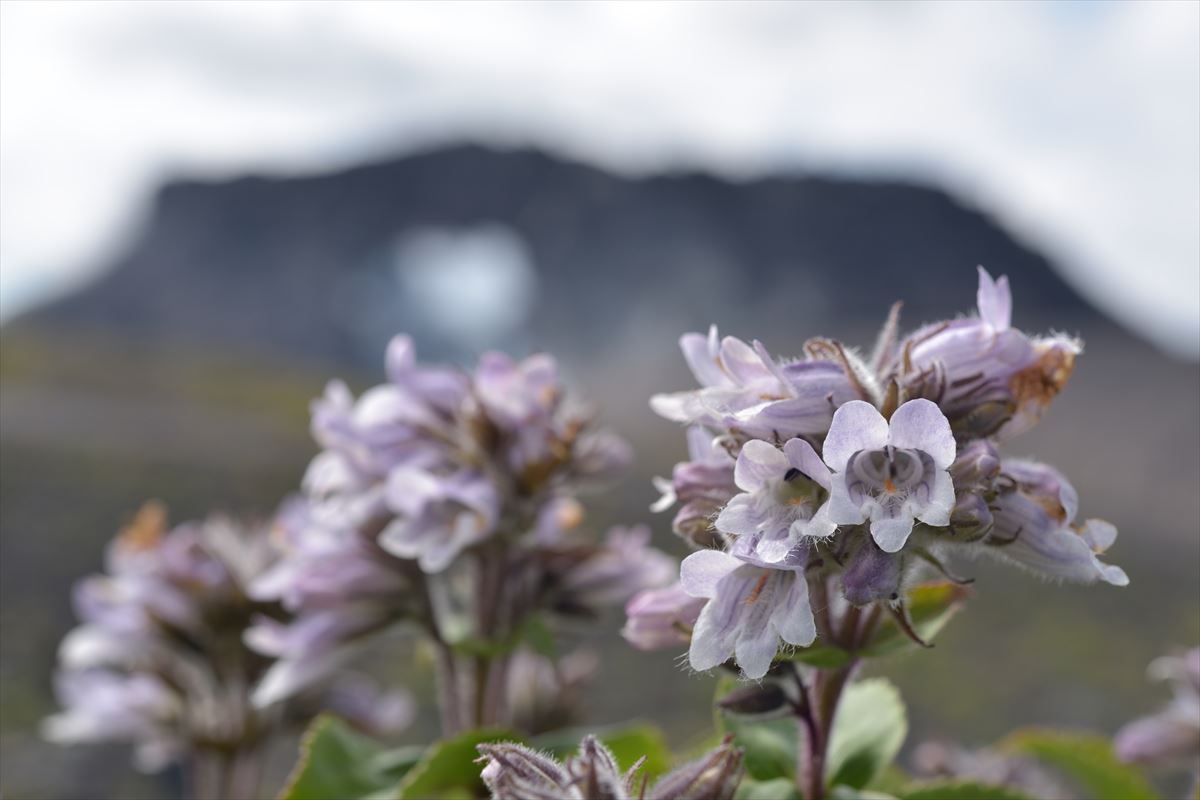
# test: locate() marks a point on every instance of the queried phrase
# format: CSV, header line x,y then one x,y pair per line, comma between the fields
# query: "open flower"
x,y
890,473
1035,527
783,498
744,389
751,606
437,517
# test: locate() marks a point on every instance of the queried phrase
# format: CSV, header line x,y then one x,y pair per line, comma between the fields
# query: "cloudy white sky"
x,y
1078,124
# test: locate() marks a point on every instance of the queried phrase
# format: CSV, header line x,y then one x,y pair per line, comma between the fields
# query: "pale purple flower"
x,y
890,473
158,659
1035,527
783,499
988,377
1172,736
745,390
704,484
342,587
752,605
100,705
658,619
438,516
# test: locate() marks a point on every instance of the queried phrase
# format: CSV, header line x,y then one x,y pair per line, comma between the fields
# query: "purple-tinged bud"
x,y
977,465
971,519
1035,527
989,378
871,575
660,619
713,776
514,772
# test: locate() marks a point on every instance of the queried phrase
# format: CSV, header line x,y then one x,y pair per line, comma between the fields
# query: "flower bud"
x,y
755,699
977,465
661,618
971,519
713,776
871,575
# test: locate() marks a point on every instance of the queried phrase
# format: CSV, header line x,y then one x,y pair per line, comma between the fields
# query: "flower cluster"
x,y
448,499
158,659
514,772
835,465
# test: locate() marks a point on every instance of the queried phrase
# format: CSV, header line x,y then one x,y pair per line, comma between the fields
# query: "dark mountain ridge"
x,y
300,266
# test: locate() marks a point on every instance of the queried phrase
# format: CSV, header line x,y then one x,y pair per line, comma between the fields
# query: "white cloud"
x,y
1079,124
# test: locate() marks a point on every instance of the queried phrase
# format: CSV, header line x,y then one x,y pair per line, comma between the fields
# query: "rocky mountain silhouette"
x,y
302,266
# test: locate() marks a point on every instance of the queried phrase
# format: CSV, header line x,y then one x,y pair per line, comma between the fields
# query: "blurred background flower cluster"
x,y
208,209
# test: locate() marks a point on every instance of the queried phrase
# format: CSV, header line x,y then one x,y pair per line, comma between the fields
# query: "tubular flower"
x,y
890,473
1035,527
782,500
743,388
751,606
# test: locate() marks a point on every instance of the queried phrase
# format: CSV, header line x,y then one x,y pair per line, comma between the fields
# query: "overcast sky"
x,y
1078,124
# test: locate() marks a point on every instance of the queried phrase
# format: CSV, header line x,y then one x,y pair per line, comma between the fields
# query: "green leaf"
x,y
1086,759
336,762
448,768
777,789
930,606
628,743
771,745
961,790
868,730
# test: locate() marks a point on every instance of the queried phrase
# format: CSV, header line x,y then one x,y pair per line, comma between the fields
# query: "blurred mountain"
x,y
313,267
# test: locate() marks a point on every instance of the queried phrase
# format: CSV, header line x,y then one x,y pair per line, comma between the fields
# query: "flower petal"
x,y
920,425
994,300
840,509
758,463
793,618
856,425
800,454
700,572
936,511
891,534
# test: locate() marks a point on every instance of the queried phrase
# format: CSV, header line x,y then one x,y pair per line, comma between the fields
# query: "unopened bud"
x,y
971,518
871,575
755,699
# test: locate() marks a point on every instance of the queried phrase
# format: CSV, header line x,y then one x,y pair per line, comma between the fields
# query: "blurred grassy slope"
x,y
90,427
